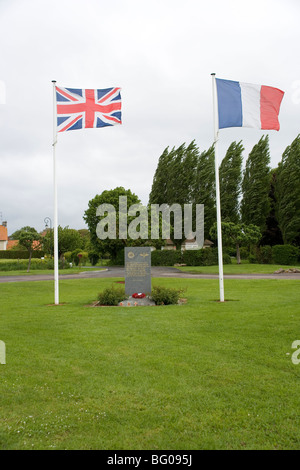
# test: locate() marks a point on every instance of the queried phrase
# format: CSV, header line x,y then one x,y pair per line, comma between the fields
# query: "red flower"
x,y
138,295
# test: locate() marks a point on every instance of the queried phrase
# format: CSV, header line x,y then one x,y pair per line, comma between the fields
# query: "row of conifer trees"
x,y
258,194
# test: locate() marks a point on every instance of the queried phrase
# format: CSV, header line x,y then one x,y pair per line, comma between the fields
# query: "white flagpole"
x,y
55,227
219,227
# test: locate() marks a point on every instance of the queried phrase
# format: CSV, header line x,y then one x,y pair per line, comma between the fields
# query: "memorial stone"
x,y
137,270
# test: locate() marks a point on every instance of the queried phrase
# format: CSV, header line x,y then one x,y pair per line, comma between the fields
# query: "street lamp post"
x,y
47,220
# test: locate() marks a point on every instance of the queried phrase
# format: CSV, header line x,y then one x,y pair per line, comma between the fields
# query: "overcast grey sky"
x,y
161,53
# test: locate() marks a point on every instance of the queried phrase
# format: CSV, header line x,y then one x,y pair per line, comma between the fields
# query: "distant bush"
x,y
264,254
165,295
112,295
118,260
244,252
165,257
77,256
82,256
68,256
93,258
285,254
202,257
252,259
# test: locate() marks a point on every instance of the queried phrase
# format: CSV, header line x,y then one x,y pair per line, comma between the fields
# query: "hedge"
x,y
165,257
202,257
285,254
263,255
22,265
20,254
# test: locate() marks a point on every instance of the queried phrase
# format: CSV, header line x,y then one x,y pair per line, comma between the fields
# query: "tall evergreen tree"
x,y
188,173
255,205
174,176
272,234
159,190
287,191
205,187
230,174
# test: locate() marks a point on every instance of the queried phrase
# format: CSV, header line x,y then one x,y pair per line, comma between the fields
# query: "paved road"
x,y
156,271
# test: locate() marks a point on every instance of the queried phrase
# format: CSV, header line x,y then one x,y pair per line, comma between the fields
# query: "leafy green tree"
x,y
287,191
255,205
85,236
111,246
29,238
230,174
68,240
237,235
16,234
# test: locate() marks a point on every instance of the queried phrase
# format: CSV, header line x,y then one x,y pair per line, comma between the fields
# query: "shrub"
x,y
118,260
76,259
285,254
82,256
252,259
244,252
226,258
165,257
203,257
193,257
68,256
264,254
112,295
93,257
165,295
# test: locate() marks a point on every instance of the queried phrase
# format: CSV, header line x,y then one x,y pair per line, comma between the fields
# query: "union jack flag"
x,y
80,108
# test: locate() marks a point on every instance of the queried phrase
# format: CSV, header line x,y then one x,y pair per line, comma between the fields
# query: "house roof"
x,y
190,240
193,240
11,244
3,233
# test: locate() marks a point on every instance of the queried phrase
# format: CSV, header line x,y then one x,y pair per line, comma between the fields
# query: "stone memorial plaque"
x,y
137,270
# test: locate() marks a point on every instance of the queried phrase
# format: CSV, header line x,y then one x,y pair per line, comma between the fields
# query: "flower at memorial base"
x,y
135,303
121,304
138,295
128,303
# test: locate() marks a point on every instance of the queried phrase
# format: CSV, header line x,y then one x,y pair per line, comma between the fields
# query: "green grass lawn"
x,y
36,272
234,268
202,375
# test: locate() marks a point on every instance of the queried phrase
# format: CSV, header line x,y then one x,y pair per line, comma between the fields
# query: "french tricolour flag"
x,y
247,105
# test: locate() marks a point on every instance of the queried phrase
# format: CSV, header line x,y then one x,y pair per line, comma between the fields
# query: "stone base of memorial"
x,y
136,302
